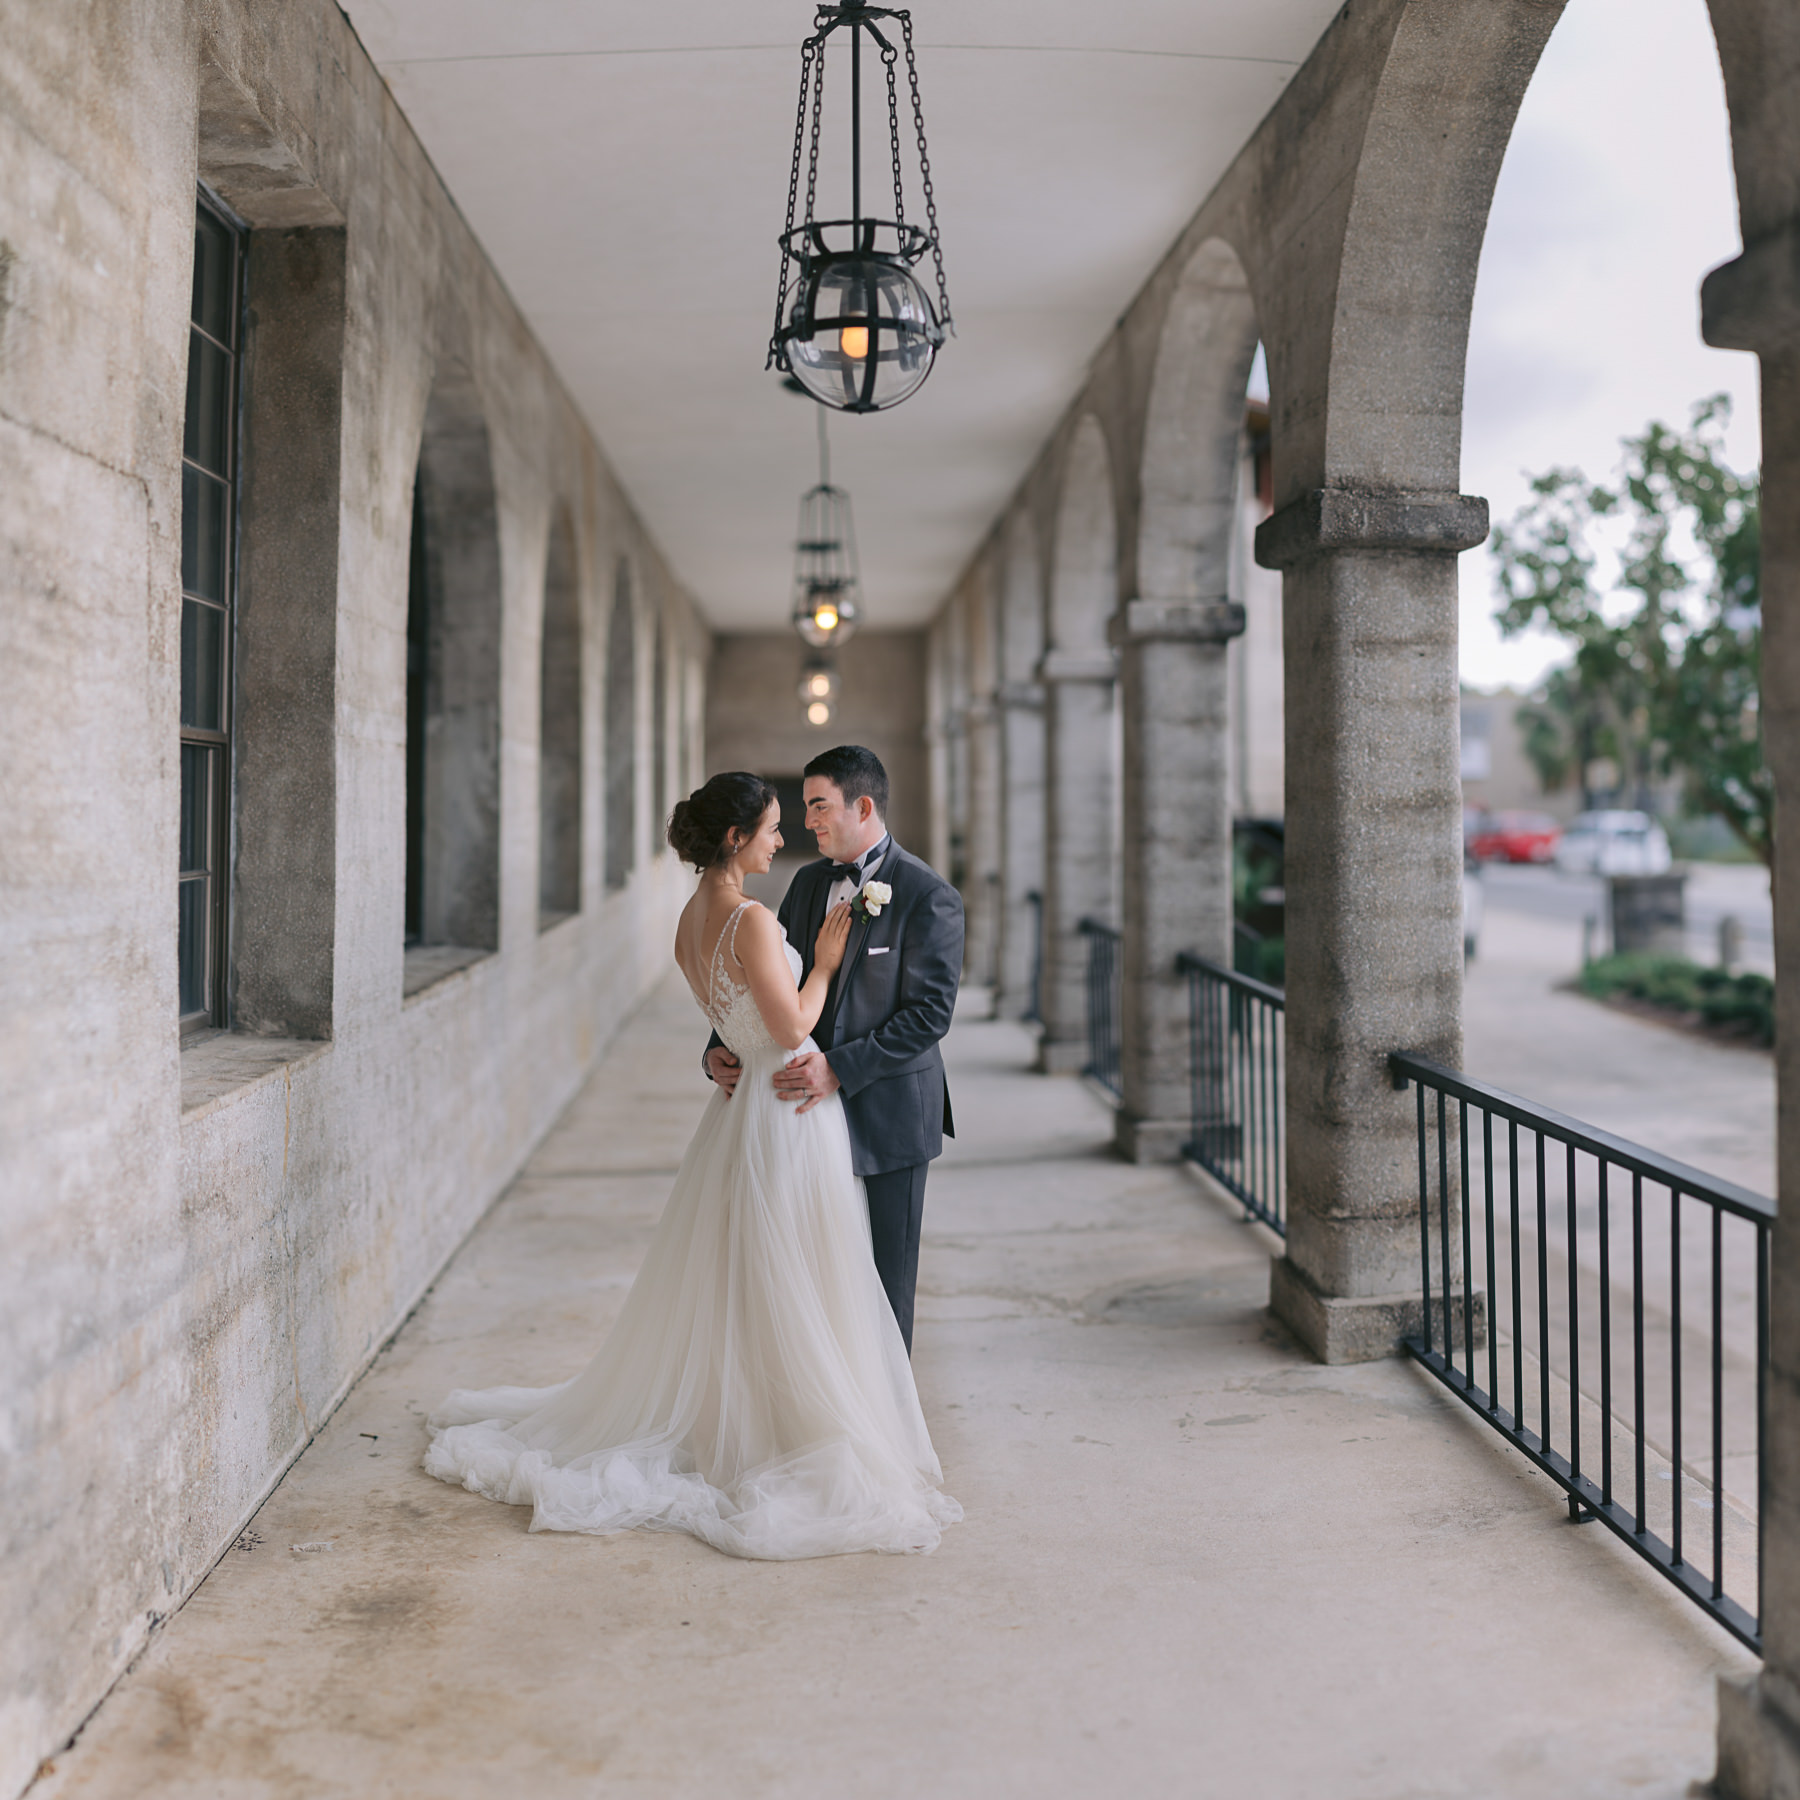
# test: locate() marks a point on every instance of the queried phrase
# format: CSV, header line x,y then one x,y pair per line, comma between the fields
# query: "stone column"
x,y
1078,840
1753,303
981,857
1020,705
1176,868
1374,890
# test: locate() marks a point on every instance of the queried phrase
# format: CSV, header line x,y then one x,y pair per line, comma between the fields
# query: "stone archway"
x,y
1175,873
1081,754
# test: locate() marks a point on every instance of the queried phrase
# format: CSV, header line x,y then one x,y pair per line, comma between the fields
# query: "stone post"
x,y
1020,705
1753,303
1374,890
1176,867
1078,840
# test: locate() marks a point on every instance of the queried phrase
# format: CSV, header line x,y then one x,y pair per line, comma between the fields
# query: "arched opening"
x,y
559,730
453,683
1206,481
621,733
1082,747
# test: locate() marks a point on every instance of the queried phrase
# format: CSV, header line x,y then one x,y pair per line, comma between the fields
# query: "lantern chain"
x,y
931,219
889,55
776,358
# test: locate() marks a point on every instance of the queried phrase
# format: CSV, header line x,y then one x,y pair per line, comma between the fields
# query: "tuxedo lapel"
x,y
859,936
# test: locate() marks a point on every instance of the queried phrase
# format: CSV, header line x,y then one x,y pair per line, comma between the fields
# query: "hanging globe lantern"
x,y
853,324
818,688
826,586
818,681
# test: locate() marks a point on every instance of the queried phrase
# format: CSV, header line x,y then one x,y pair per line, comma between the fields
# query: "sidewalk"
x,y
1193,1564
1703,1102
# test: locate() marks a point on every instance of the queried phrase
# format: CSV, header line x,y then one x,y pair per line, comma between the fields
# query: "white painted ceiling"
x,y
625,163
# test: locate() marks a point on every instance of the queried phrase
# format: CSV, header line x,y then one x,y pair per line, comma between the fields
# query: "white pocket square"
x,y
878,949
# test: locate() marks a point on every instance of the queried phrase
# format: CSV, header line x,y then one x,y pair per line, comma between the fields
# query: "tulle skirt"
x,y
755,1390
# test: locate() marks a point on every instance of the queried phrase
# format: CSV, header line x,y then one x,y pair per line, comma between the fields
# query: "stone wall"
x,y
204,1241
754,721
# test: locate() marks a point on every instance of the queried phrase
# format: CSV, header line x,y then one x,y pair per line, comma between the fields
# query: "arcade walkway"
x,y
1194,1563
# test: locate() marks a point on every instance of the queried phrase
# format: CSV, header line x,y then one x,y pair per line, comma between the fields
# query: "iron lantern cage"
x,y
818,684
853,323
827,589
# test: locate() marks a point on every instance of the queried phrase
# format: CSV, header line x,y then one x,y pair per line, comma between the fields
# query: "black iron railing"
x,y
1104,978
1034,1002
1628,1308
1236,1066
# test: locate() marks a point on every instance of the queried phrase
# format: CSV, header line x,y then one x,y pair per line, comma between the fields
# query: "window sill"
x,y
216,1064
548,921
428,964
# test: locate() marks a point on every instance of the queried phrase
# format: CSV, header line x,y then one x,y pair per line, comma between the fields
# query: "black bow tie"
x,y
841,871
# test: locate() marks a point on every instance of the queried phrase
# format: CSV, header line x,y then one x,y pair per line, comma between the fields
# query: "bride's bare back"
x,y
751,955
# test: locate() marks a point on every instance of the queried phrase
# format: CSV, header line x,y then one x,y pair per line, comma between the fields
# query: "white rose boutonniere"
x,y
874,896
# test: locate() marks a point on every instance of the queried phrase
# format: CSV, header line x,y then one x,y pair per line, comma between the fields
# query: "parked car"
x,y
1613,843
1514,837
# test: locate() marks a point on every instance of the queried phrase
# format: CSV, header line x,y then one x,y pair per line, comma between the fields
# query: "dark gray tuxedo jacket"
x,y
887,1007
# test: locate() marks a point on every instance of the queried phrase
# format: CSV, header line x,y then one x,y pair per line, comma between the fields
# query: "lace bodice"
x,y
732,1010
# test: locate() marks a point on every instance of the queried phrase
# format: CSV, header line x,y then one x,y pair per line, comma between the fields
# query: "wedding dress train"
x,y
755,1390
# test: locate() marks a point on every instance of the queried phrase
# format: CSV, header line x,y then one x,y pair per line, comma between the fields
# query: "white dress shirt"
x,y
866,865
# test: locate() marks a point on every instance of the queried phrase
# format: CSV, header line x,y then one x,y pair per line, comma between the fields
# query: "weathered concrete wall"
x,y
754,721
200,1249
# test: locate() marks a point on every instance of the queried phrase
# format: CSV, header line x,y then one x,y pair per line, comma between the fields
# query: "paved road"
x,y
1713,891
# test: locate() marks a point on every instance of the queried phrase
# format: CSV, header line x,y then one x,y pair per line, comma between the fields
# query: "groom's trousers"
x,y
896,1211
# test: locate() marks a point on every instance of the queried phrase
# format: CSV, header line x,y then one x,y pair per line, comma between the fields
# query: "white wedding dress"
x,y
755,1390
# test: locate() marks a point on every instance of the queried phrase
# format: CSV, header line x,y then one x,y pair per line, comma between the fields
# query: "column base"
x,y
1339,1329
1056,1056
1150,1140
1759,1744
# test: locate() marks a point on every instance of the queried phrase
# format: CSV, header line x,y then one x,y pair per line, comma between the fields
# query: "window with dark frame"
x,y
208,571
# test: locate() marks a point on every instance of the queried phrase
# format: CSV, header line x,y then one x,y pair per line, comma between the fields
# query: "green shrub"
x,y
1744,1003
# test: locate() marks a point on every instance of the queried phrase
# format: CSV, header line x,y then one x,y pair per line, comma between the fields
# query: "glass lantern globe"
x,y
825,613
818,712
818,682
862,335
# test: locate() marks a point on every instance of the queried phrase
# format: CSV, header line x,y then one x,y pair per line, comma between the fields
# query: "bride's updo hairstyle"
x,y
700,826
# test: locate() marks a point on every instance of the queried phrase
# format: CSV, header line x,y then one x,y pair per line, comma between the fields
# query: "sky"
x,y
1614,201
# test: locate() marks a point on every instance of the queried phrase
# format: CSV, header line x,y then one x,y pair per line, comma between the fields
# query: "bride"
x,y
755,1390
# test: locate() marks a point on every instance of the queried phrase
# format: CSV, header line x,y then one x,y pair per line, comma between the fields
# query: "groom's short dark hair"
x,y
855,771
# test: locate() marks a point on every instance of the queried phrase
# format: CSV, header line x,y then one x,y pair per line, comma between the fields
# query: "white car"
x,y
1613,843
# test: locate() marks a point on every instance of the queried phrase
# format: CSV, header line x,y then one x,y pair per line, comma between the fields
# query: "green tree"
x,y
1666,660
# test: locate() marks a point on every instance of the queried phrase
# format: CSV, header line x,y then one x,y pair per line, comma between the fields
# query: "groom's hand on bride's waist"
x,y
808,1079
724,1068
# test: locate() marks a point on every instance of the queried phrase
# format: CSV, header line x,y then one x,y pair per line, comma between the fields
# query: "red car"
x,y
1514,837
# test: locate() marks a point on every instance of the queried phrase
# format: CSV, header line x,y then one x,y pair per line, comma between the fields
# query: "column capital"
x,y
1027,696
1096,664
1333,519
1176,622
1753,301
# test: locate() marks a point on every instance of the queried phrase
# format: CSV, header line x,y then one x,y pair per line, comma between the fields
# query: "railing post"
x,y
1176,849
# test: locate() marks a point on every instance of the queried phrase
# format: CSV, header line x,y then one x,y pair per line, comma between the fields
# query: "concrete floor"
x,y
1193,1562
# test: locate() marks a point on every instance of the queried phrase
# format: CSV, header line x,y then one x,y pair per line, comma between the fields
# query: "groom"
x,y
885,1010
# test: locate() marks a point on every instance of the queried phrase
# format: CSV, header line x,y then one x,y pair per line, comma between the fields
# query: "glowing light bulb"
x,y
819,684
818,713
825,617
853,340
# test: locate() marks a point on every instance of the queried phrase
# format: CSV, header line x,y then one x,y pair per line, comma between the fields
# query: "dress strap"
x,y
728,929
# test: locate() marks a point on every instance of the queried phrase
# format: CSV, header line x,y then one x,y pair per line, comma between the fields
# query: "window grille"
x,y
208,580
